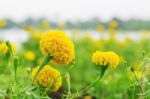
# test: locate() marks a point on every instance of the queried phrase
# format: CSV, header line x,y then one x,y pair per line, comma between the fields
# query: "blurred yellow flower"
x,y
28,28
136,76
112,32
106,58
100,28
121,44
145,34
2,23
48,77
29,55
4,48
36,34
113,24
59,46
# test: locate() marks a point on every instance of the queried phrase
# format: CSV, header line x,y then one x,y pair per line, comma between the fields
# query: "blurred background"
x,y
85,15
122,26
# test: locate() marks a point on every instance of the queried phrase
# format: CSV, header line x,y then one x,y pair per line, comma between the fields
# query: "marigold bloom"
x,y
105,58
48,77
59,46
29,55
113,24
100,28
2,23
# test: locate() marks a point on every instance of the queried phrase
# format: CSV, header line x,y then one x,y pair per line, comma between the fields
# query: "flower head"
x,y
48,77
100,28
29,55
2,23
106,58
113,24
59,46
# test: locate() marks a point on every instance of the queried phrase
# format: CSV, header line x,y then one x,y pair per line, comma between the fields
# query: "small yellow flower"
x,y
59,46
100,28
36,34
29,55
48,77
136,76
28,28
112,32
106,58
4,48
2,23
113,24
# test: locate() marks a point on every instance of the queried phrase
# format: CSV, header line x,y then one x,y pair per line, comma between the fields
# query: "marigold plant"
x,y
48,77
59,46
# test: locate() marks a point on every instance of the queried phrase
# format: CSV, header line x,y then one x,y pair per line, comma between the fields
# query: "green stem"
x,y
89,86
104,68
16,64
67,75
132,90
47,58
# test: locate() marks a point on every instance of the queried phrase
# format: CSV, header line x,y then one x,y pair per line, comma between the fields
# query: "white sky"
x,y
75,9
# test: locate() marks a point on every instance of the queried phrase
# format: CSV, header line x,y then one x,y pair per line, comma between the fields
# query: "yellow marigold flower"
x,y
4,48
100,28
113,58
59,46
2,23
48,77
29,55
113,24
106,58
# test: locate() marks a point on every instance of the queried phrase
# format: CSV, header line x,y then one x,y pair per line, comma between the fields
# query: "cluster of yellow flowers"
x,y
59,46
4,48
105,58
48,77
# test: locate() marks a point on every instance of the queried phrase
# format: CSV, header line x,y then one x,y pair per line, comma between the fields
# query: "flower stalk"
x,y
46,59
16,63
67,76
104,68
